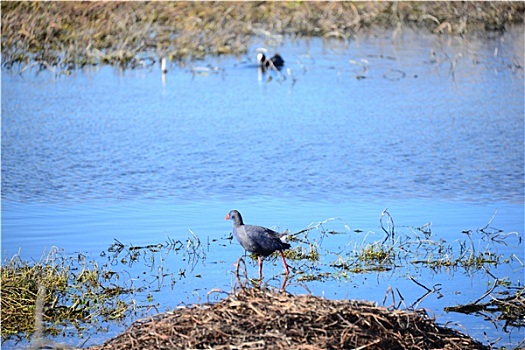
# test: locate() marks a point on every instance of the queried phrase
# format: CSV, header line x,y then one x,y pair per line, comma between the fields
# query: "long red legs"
x,y
284,263
287,271
260,267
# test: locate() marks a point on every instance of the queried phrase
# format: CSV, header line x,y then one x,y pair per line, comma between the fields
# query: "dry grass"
x,y
260,319
69,35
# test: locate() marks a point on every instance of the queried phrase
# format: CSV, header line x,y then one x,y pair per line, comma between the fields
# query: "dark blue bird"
x,y
258,240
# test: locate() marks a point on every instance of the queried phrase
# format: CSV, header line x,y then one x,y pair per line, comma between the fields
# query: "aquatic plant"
x,y
62,294
507,305
71,291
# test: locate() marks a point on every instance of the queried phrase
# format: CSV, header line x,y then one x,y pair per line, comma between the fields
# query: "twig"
x,y
392,232
490,221
237,276
368,345
487,292
419,284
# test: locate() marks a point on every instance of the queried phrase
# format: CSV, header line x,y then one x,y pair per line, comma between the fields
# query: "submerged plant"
x,y
375,253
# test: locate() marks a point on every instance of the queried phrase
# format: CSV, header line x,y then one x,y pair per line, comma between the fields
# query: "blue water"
x,y
434,132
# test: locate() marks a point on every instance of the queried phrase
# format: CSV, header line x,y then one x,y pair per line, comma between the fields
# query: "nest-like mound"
x,y
260,319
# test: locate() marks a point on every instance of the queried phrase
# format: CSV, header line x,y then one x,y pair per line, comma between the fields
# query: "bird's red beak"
x,y
227,217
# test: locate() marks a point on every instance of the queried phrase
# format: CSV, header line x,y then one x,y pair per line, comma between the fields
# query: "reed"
x,y
62,36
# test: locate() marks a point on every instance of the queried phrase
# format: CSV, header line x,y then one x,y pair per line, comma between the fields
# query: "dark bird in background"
x,y
258,240
276,61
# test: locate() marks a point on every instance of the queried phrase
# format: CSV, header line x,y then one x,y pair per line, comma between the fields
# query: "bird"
x,y
258,240
276,61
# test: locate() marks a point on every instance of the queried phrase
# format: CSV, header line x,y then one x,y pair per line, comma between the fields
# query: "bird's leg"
x,y
260,267
284,263
284,283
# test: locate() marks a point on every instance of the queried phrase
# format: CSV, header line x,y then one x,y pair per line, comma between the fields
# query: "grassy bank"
x,y
70,35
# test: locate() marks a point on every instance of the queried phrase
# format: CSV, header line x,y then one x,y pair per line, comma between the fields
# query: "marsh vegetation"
x,y
62,36
75,295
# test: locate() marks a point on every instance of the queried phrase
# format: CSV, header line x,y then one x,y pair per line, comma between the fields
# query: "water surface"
x,y
430,127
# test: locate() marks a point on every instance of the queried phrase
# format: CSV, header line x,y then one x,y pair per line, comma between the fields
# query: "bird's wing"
x,y
265,240
261,232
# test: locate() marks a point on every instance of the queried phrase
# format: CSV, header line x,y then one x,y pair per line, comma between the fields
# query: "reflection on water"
x,y
429,126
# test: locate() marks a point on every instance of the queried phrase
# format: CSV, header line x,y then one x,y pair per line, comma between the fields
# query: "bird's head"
x,y
261,57
235,216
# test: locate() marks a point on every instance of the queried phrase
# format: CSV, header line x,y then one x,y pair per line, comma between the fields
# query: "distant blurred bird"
x,y
258,240
276,61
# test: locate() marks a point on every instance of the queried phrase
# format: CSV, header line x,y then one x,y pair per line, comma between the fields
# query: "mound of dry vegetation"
x,y
261,319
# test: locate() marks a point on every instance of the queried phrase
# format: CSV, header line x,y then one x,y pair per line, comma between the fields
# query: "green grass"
x,y
71,291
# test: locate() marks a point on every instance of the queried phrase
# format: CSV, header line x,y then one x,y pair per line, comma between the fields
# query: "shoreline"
x,y
71,35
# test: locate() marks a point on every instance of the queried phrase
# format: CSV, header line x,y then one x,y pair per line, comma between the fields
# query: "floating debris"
x,y
507,306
